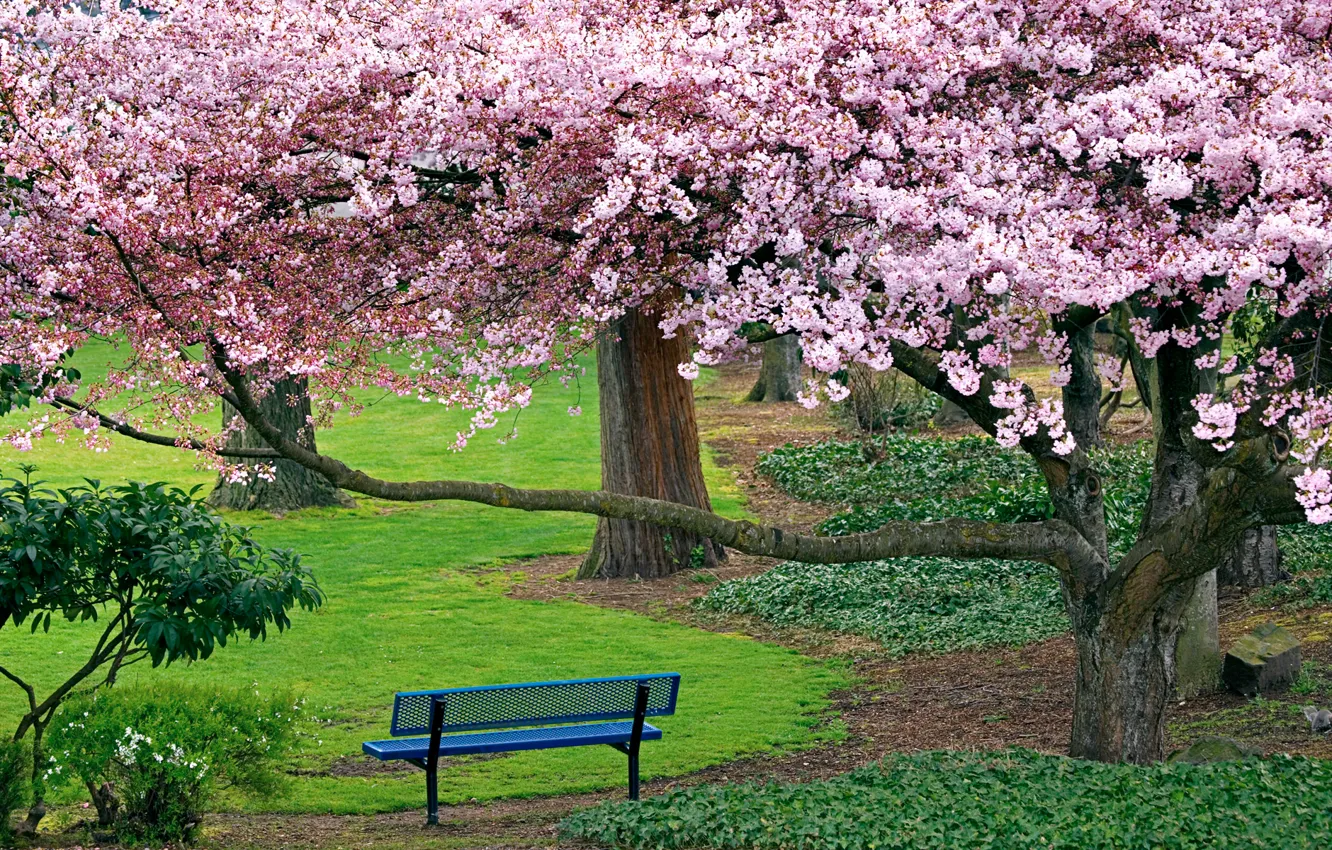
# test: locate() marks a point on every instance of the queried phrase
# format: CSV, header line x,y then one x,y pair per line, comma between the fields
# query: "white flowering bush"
x,y
151,756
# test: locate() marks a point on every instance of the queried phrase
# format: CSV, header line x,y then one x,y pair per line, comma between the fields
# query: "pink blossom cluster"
x,y
483,186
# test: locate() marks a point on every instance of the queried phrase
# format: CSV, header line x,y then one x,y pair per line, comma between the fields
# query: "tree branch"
x,y
28,689
1053,542
1258,489
66,403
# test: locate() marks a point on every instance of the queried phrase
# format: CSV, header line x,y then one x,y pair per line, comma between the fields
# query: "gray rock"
x,y
1267,658
1212,749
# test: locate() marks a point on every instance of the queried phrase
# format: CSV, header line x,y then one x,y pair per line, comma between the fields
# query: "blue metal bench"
x,y
580,707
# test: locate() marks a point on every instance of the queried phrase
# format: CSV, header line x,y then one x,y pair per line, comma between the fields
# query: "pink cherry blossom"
x,y
482,187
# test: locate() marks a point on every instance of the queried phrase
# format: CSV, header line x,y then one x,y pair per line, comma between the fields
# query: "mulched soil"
x,y
964,700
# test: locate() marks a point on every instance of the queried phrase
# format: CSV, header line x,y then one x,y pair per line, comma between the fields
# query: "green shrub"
x,y
163,749
15,782
907,604
1009,799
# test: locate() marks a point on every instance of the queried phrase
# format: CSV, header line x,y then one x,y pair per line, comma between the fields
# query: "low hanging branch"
x,y
72,406
1053,541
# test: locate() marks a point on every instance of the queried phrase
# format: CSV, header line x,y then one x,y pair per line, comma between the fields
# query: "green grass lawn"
x,y
414,602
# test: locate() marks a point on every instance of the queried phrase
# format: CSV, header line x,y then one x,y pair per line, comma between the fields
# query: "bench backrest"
x,y
534,703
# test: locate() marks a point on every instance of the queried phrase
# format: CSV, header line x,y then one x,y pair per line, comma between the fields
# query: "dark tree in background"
x,y
292,486
779,379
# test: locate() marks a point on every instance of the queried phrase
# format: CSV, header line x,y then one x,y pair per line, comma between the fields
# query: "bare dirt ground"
x,y
966,700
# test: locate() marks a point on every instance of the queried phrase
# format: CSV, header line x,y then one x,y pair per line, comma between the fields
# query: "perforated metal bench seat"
x,y
511,740
526,716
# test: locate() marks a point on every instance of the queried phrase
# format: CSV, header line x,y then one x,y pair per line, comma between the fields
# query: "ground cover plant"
x,y
1013,798
892,466
908,604
414,601
926,604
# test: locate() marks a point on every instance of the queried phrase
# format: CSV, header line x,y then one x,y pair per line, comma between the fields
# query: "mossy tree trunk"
x,y
649,447
291,486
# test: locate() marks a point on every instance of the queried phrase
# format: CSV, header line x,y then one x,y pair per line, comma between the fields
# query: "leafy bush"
x,y
1014,798
907,604
14,782
162,749
169,578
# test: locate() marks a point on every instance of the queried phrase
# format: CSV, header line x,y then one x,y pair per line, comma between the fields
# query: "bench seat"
x,y
525,716
510,740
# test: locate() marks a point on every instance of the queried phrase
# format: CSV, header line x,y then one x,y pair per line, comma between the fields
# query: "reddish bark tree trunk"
x,y
293,486
649,447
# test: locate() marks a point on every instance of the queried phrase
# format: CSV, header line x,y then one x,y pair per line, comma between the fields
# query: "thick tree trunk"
x,y
1123,685
292,486
779,379
1173,381
1256,561
649,447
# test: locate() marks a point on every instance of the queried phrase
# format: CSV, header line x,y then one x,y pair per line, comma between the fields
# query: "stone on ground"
x,y
1267,658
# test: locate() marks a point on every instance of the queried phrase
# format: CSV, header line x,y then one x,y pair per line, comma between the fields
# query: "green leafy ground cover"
x,y
908,604
925,604
943,604
414,602
1008,799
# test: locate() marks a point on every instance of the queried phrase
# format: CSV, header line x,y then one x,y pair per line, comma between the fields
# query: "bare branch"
x,y
28,689
69,404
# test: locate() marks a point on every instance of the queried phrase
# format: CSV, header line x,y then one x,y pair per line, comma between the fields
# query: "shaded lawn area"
x,y
411,605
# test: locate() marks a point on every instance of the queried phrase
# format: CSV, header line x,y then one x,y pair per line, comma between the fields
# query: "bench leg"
x,y
437,707
432,793
633,773
636,738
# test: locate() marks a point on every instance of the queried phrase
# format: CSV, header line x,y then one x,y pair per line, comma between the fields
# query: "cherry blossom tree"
x,y
928,186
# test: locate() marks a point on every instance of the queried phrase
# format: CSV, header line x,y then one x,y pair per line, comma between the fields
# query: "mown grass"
x,y
414,602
